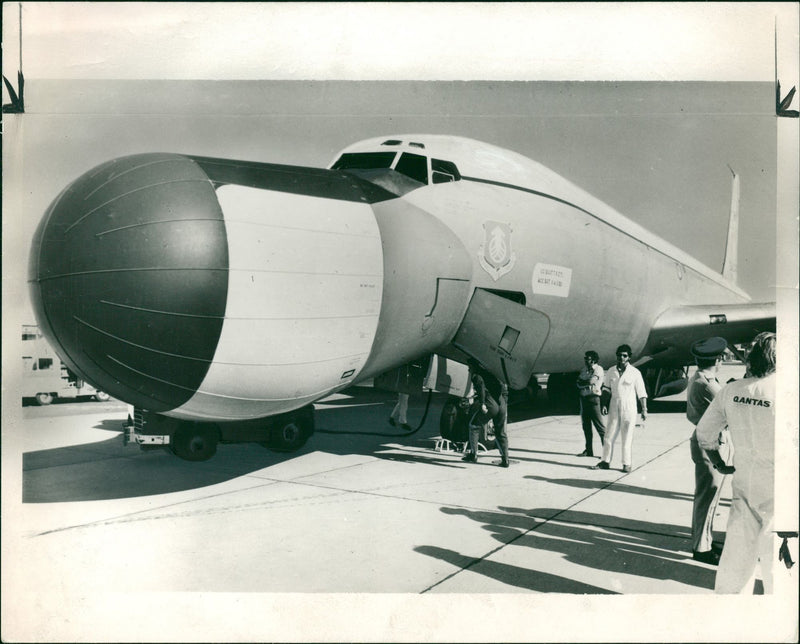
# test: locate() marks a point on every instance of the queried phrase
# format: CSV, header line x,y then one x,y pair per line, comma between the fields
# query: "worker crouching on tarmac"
x,y
491,403
747,407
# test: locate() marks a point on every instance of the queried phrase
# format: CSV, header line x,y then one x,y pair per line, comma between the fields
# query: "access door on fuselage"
x,y
504,335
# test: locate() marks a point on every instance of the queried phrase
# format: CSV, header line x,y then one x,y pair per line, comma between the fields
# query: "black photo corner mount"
x,y
17,104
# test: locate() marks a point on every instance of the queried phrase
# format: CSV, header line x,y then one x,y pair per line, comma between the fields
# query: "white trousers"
x,y
749,543
619,422
401,409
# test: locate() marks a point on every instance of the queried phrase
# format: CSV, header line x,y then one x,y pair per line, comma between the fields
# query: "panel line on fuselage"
x,y
230,317
114,177
221,362
137,269
535,192
128,194
512,186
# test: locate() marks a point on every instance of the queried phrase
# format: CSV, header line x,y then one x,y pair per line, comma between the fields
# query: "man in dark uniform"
x,y
491,403
590,383
707,480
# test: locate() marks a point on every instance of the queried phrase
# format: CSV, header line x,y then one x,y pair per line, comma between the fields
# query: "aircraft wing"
x,y
678,327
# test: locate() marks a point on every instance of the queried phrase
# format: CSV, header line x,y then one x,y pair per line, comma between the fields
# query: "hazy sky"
x,y
401,41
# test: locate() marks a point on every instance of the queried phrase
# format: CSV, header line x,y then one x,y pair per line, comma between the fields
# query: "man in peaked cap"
x,y
707,480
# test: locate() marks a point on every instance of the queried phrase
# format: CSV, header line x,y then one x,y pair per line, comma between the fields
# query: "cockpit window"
x,y
381,167
364,161
414,166
444,171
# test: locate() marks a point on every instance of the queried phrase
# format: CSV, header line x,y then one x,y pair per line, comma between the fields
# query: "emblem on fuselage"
x,y
495,254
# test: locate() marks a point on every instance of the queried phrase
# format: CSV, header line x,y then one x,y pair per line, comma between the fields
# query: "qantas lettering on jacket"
x,y
743,400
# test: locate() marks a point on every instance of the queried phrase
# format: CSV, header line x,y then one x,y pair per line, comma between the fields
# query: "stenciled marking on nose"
x,y
128,276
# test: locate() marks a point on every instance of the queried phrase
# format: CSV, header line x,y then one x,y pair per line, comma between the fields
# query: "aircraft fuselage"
x,y
209,289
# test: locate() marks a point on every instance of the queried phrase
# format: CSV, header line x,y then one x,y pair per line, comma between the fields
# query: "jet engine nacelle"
x,y
222,290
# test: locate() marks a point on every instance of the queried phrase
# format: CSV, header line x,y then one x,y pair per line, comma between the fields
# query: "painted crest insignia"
x,y
495,254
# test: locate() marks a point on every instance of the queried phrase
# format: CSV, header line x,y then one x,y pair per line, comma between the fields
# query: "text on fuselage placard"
x,y
550,279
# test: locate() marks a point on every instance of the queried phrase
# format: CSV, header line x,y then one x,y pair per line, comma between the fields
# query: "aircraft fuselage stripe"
x,y
512,186
533,192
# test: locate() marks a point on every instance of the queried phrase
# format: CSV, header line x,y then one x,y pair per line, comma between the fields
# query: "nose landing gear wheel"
x,y
290,432
195,442
287,436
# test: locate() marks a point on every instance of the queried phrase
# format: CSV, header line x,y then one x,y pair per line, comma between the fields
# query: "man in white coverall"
x,y
624,383
747,407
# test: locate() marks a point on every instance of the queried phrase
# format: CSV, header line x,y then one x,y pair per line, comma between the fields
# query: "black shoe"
x,y
586,452
708,557
717,547
602,465
626,469
405,426
470,458
392,421
504,463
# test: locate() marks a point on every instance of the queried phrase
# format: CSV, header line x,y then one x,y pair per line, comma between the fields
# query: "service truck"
x,y
44,376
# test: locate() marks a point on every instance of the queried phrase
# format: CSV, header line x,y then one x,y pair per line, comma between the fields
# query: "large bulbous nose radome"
x,y
128,277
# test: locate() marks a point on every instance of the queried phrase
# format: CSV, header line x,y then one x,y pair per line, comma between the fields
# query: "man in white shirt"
x,y
624,384
747,407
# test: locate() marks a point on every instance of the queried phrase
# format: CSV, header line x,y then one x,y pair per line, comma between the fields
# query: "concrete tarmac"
x,y
363,508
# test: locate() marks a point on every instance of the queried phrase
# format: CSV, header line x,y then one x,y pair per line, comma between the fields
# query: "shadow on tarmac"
x,y
588,484
601,541
513,575
419,458
108,470
352,422
579,466
542,451
109,425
